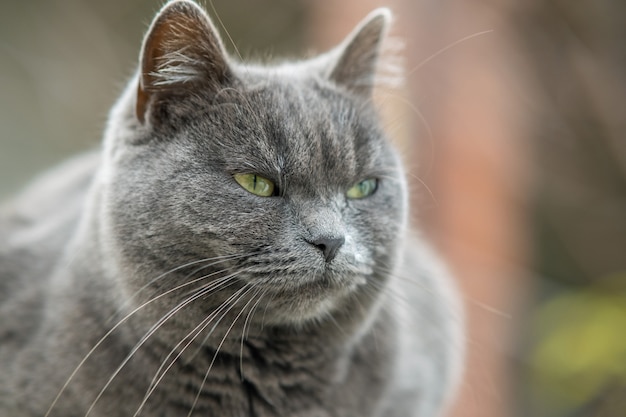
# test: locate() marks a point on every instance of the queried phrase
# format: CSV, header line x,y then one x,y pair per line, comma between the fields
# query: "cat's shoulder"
x,y
51,192
36,224
429,314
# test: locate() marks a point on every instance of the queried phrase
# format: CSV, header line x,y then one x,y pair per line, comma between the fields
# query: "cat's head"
x,y
277,182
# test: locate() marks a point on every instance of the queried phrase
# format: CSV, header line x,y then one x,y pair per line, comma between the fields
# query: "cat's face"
x,y
276,182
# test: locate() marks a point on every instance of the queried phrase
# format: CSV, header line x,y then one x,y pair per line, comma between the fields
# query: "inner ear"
x,y
181,51
357,57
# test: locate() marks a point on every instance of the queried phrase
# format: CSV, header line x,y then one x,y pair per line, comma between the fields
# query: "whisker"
x,y
265,309
394,292
471,300
157,326
424,122
243,332
400,298
110,331
206,376
192,335
430,192
219,19
444,49
218,259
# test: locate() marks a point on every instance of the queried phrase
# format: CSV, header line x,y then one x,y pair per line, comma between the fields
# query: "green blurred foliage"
x,y
577,335
580,347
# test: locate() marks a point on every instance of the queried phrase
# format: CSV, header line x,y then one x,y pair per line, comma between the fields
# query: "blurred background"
x,y
511,121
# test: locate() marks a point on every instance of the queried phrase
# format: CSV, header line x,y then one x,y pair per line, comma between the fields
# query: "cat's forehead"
x,y
307,129
308,99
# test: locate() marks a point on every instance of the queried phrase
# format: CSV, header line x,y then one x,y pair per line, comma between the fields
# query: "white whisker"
x,y
110,331
217,259
243,332
206,375
471,300
154,328
192,335
444,49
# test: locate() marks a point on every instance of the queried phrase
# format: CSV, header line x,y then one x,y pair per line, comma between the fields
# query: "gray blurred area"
x,y
63,63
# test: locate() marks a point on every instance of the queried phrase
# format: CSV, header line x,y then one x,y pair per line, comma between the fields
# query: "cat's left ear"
x,y
181,51
355,60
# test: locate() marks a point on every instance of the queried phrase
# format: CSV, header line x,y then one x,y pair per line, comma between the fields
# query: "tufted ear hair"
x,y
181,50
355,60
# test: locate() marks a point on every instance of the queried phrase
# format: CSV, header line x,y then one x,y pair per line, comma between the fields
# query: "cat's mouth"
x,y
308,294
301,288
329,278
306,301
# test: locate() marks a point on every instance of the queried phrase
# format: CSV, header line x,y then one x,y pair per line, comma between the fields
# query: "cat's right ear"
x,y
181,51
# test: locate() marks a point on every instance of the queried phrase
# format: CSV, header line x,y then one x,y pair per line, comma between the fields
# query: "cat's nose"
x,y
328,245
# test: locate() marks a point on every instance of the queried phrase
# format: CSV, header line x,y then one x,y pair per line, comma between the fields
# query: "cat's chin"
x,y
303,313
311,302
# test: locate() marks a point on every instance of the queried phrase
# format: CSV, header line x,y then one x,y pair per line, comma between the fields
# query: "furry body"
x,y
177,291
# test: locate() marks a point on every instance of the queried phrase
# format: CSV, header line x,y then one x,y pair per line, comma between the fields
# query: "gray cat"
x,y
239,247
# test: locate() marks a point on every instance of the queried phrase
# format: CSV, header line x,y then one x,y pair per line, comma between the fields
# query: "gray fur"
x,y
96,253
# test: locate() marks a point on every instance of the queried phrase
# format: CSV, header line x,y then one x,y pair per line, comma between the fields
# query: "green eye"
x,y
363,189
255,184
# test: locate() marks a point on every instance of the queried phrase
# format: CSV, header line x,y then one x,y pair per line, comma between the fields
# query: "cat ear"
x,y
181,50
357,57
